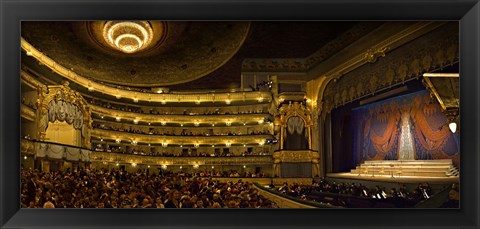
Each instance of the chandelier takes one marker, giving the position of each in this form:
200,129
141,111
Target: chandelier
128,36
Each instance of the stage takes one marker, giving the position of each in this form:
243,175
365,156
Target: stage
395,179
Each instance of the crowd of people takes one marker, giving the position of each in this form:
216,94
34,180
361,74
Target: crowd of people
154,153
136,109
400,198
184,132
91,188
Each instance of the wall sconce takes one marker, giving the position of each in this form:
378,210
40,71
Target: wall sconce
118,119
134,164
165,166
135,100
118,96
135,121
163,123
228,123
164,144
228,144
197,102
117,140
228,101
196,124
163,102
195,166
196,145
260,121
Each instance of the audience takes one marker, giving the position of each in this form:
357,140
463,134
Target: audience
344,194
91,188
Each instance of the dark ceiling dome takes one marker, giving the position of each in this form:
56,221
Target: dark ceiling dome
138,53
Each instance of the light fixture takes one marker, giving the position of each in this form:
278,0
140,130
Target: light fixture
148,144
260,121
244,145
117,164
261,143
228,144
181,146
101,117
244,123
181,167
228,101
181,124
453,127
117,140
165,166
197,102
196,145
135,100
29,53
134,142
148,166
196,124
118,119
260,99
25,157
135,121
228,123
244,166
149,124
118,96
195,166
163,123
163,102
213,145
91,89
164,144
128,36
309,100
213,167
134,164
213,124
101,139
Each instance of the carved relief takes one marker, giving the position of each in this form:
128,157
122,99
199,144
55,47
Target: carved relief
68,96
401,65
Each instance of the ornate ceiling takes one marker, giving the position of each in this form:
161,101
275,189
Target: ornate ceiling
138,53
182,55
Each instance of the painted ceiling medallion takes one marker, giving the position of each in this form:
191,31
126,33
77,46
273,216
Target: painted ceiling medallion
128,36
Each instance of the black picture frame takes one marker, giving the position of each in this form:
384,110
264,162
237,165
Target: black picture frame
13,12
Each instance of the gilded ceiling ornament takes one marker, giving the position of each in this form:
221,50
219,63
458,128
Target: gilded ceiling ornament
372,55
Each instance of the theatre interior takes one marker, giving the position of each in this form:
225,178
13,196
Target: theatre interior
240,114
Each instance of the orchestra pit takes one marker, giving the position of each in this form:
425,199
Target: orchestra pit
239,114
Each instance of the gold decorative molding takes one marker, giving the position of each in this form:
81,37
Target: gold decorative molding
296,156
62,93
31,81
135,96
27,113
294,109
158,139
129,158
400,65
27,147
177,118
372,55
186,50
